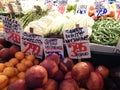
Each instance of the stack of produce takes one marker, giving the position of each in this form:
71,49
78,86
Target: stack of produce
33,15
106,32
15,69
52,74
55,23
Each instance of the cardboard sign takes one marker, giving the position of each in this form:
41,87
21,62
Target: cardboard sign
32,44
101,8
77,43
12,30
53,45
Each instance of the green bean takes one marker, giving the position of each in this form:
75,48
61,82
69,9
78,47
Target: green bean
106,32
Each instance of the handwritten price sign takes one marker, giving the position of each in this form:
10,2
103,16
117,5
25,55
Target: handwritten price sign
12,30
77,43
79,49
81,9
101,8
53,45
101,12
31,44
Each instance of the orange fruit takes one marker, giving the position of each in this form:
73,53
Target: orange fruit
30,57
28,63
13,79
14,61
3,81
2,66
9,64
16,71
21,67
19,55
1,25
9,71
21,75
5,88
23,60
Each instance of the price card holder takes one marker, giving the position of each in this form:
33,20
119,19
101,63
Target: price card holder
101,8
12,29
53,45
77,43
32,44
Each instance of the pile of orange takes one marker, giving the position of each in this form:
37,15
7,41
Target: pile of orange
1,26
15,68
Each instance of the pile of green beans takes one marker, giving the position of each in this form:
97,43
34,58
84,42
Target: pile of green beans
106,32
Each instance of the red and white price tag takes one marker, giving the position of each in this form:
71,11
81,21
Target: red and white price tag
12,29
32,44
53,45
77,43
49,3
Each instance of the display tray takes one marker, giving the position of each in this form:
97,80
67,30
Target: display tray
108,59
102,48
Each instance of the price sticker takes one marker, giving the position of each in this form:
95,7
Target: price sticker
77,43
101,8
53,45
12,30
32,44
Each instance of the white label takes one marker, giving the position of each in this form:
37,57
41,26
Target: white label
12,30
53,45
77,43
32,44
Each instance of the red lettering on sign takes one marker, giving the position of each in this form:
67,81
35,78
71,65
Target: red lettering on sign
78,47
10,37
16,37
61,9
33,48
